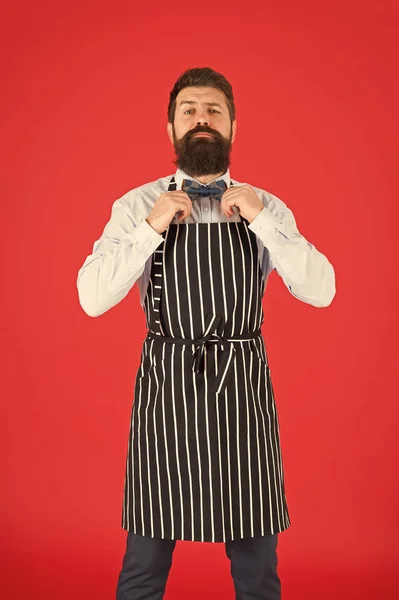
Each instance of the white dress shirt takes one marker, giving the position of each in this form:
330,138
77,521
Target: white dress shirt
122,256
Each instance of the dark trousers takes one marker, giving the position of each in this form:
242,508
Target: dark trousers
147,562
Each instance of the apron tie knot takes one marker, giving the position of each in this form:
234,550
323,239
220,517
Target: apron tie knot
226,364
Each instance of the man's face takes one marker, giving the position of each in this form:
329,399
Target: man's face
202,109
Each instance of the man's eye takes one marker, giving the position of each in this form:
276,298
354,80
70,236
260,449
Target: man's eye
191,109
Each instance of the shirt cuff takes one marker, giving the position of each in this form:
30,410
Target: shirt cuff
263,224
145,236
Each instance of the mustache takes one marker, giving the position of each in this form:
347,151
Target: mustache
212,132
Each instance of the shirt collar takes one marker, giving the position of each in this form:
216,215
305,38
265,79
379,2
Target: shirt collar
180,175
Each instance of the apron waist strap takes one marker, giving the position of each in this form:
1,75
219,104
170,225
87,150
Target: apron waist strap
211,336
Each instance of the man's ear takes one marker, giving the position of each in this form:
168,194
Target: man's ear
234,130
169,129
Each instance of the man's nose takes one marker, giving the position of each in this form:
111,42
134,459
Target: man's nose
202,120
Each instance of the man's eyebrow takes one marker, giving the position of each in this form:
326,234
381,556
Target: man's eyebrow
195,102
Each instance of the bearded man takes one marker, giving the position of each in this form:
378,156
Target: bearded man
204,460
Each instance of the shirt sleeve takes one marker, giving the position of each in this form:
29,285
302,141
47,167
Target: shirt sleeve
306,272
116,262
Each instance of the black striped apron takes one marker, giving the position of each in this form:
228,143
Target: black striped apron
204,461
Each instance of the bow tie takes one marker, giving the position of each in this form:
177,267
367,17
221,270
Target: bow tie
195,190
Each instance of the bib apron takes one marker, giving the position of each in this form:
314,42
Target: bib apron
204,460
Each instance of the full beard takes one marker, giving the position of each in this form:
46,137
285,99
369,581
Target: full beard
202,155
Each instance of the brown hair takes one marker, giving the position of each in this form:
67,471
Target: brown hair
201,77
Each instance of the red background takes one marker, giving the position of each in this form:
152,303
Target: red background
85,93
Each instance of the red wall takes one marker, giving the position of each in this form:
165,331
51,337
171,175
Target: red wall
85,92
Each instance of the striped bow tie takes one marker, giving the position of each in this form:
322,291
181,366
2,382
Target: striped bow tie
196,190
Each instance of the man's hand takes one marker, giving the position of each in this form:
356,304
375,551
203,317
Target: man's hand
246,200
165,208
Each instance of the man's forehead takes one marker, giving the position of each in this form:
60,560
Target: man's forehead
200,94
